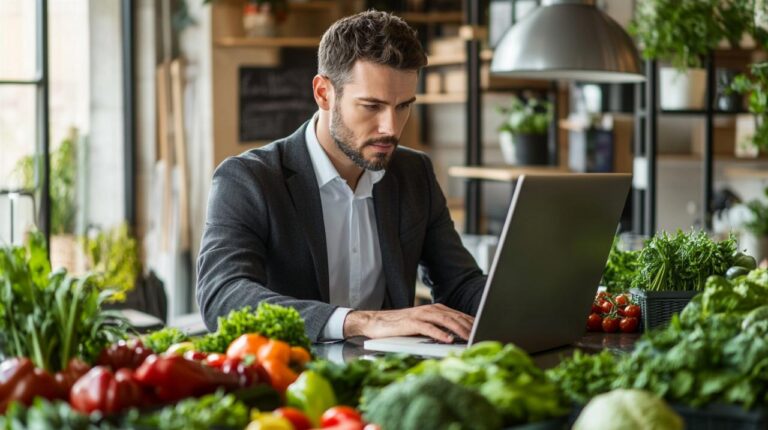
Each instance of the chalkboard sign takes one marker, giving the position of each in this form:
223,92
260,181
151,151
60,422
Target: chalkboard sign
275,101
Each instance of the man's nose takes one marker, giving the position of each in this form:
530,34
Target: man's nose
387,121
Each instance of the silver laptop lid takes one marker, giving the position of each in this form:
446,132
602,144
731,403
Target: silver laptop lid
550,258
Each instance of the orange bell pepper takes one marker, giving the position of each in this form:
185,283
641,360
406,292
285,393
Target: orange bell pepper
275,350
247,344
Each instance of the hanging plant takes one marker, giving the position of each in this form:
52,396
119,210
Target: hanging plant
756,85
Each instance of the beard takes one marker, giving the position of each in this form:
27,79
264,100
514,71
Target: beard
344,138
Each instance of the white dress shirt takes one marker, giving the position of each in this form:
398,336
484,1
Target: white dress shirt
355,275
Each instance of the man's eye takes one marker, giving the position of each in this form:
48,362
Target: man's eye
405,106
371,107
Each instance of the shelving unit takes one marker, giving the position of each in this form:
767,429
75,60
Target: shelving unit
646,138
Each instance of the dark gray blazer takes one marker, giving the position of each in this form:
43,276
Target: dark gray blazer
264,237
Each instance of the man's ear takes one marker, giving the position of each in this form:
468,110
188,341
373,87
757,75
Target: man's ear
323,91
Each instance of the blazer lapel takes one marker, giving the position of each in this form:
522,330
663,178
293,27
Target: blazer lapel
387,206
302,185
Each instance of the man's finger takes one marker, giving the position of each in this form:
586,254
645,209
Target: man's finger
427,329
447,321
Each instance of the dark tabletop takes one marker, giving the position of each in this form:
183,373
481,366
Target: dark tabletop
591,342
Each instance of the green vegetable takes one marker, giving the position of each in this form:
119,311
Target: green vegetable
51,317
583,376
743,260
213,410
159,341
683,261
507,377
349,379
312,394
756,85
272,321
431,402
735,271
45,415
628,409
620,270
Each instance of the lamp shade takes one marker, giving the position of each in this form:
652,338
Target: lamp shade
568,39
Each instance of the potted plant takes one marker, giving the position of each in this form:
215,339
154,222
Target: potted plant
64,249
684,32
756,242
523,135
756,85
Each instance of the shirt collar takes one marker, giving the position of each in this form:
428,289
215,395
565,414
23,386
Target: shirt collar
325,172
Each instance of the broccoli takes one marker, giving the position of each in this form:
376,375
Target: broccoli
431,402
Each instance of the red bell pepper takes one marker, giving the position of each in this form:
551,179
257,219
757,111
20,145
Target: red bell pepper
124,354
104,391
247,374
173,377
20,380
67,377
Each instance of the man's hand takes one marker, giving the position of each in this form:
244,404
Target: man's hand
436,321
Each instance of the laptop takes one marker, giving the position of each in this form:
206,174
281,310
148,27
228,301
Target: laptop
544,276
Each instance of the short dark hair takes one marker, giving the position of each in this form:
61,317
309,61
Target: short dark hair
374,36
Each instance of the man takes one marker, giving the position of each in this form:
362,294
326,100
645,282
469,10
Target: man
335,219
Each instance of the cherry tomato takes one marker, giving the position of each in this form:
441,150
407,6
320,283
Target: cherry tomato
602,295
596,309
339,415
594,322
195,355
247,344
606,306
215,360
632,311
610,324
295,416
622,300
628,324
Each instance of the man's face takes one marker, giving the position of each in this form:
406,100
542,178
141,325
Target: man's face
368,118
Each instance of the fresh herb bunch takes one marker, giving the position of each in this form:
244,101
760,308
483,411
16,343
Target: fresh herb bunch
716,351
757,86
159,341
272,321
217,410
114,256
583,376
51,317
683,261
620,270
758,225
527,116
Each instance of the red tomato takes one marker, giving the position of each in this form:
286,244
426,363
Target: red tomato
594,322
622,300
610,324
596,309
215,360
628,324
298,420
339,415
606,306
195,355
602,295
632,311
